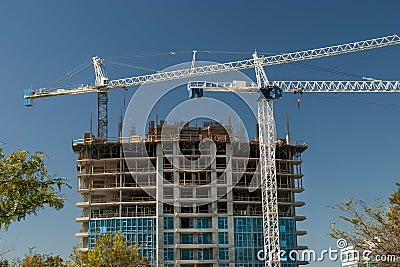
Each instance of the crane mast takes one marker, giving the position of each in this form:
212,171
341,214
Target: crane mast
101,83
267,136
269,90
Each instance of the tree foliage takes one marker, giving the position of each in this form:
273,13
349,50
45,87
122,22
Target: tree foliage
35,259
4,263
110,250
26,187
374,227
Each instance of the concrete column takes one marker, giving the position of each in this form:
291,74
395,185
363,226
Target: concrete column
229,183
159,204
177,223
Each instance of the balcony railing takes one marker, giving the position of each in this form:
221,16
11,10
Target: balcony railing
111,199
247,213
246,198
105,215
137,199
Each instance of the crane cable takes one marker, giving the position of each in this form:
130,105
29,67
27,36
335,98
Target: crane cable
130,66
148,55
73,72
356,102
328,70
219,52
112,61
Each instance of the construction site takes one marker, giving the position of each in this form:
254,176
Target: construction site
199,196
204,214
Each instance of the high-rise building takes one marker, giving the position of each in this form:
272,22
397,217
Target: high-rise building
189,195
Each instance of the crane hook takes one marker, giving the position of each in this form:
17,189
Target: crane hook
298,102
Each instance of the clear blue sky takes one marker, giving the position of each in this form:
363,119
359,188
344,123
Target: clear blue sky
353,139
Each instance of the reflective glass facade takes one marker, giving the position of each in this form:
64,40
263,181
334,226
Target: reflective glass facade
249,240
140,231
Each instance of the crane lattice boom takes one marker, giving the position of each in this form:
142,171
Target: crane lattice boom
264,61
301,86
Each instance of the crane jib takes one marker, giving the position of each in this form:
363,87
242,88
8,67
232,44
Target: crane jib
264,61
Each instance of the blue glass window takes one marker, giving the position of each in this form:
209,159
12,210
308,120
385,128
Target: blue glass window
169,254
187,254
223,254
203,238
203,254
222,222
168,238
187,239
223,237
202,223
168,223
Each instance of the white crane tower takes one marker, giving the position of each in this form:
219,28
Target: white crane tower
269,90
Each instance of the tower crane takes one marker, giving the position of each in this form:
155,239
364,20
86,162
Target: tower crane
271,90
102,84
268,92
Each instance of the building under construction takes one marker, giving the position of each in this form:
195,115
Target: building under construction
186,200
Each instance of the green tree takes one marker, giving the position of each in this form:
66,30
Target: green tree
26,187
374,227
35,259
110,250
4,263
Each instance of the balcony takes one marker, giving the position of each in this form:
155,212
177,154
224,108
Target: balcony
149,213
109,171
83,204
99,186
246,199
105,200
192,215
81,219
82,234
196,230
188,199
196,261
300,218
105,214
246,185
137,185
301,232
111,200
247,213
299,203
300,247
196,245
289,188
287,201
